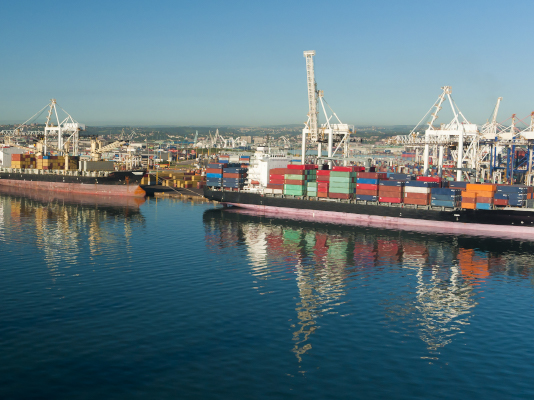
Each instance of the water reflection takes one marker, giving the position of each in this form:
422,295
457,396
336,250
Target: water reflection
63,224
434,280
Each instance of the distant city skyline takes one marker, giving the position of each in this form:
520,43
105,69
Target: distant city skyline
240,63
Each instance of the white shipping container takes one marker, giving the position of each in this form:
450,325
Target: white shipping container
414,189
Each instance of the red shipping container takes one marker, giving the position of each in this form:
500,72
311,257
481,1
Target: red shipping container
322,189
428,178
277,181
419,202
419,196
294,182
470,200
340,195
279,171
214,171
323,172
501,202
367,192
275,186
323,184
16,157
373,175
302,166
350,168
487,200
390,191
323,179
341,168
277,176
383,199
366,186
230,175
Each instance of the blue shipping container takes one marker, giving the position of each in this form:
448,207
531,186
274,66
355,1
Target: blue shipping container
501,196
401,177
444,203
422,184
445,191
391,183
444,197
458,184
366,197
367,181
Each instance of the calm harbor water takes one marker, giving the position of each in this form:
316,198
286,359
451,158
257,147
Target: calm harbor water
171,299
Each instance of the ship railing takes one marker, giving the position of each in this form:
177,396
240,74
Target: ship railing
71,172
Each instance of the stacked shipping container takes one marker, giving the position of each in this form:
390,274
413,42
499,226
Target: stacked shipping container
43,162
514,195
323,183
295,182
391,191
367,185
214,175
445,197
234,177
342,184
478,196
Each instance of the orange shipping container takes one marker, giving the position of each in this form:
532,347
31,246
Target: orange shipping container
467,194
481,187
470,206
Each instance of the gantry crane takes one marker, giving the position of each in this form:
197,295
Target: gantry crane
61,129
337,134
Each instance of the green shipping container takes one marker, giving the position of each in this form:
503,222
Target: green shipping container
343,174
294,187
340,190
295,177
342,185
341,180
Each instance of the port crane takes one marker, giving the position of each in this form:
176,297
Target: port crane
332,134
55,127
285,141
459,136
487,152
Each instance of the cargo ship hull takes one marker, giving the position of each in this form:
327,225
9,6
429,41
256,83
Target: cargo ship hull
120,183
511,221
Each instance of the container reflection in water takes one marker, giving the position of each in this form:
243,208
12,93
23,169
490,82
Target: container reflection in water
63,223
439,275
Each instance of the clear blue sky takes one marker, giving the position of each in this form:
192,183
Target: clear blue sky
241,63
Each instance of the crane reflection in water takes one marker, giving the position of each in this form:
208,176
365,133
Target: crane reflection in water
64,223
440,275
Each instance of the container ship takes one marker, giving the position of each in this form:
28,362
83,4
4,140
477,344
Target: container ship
349,193
472,179
51,173
64,172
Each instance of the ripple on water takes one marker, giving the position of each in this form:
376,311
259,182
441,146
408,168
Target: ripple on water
180,300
